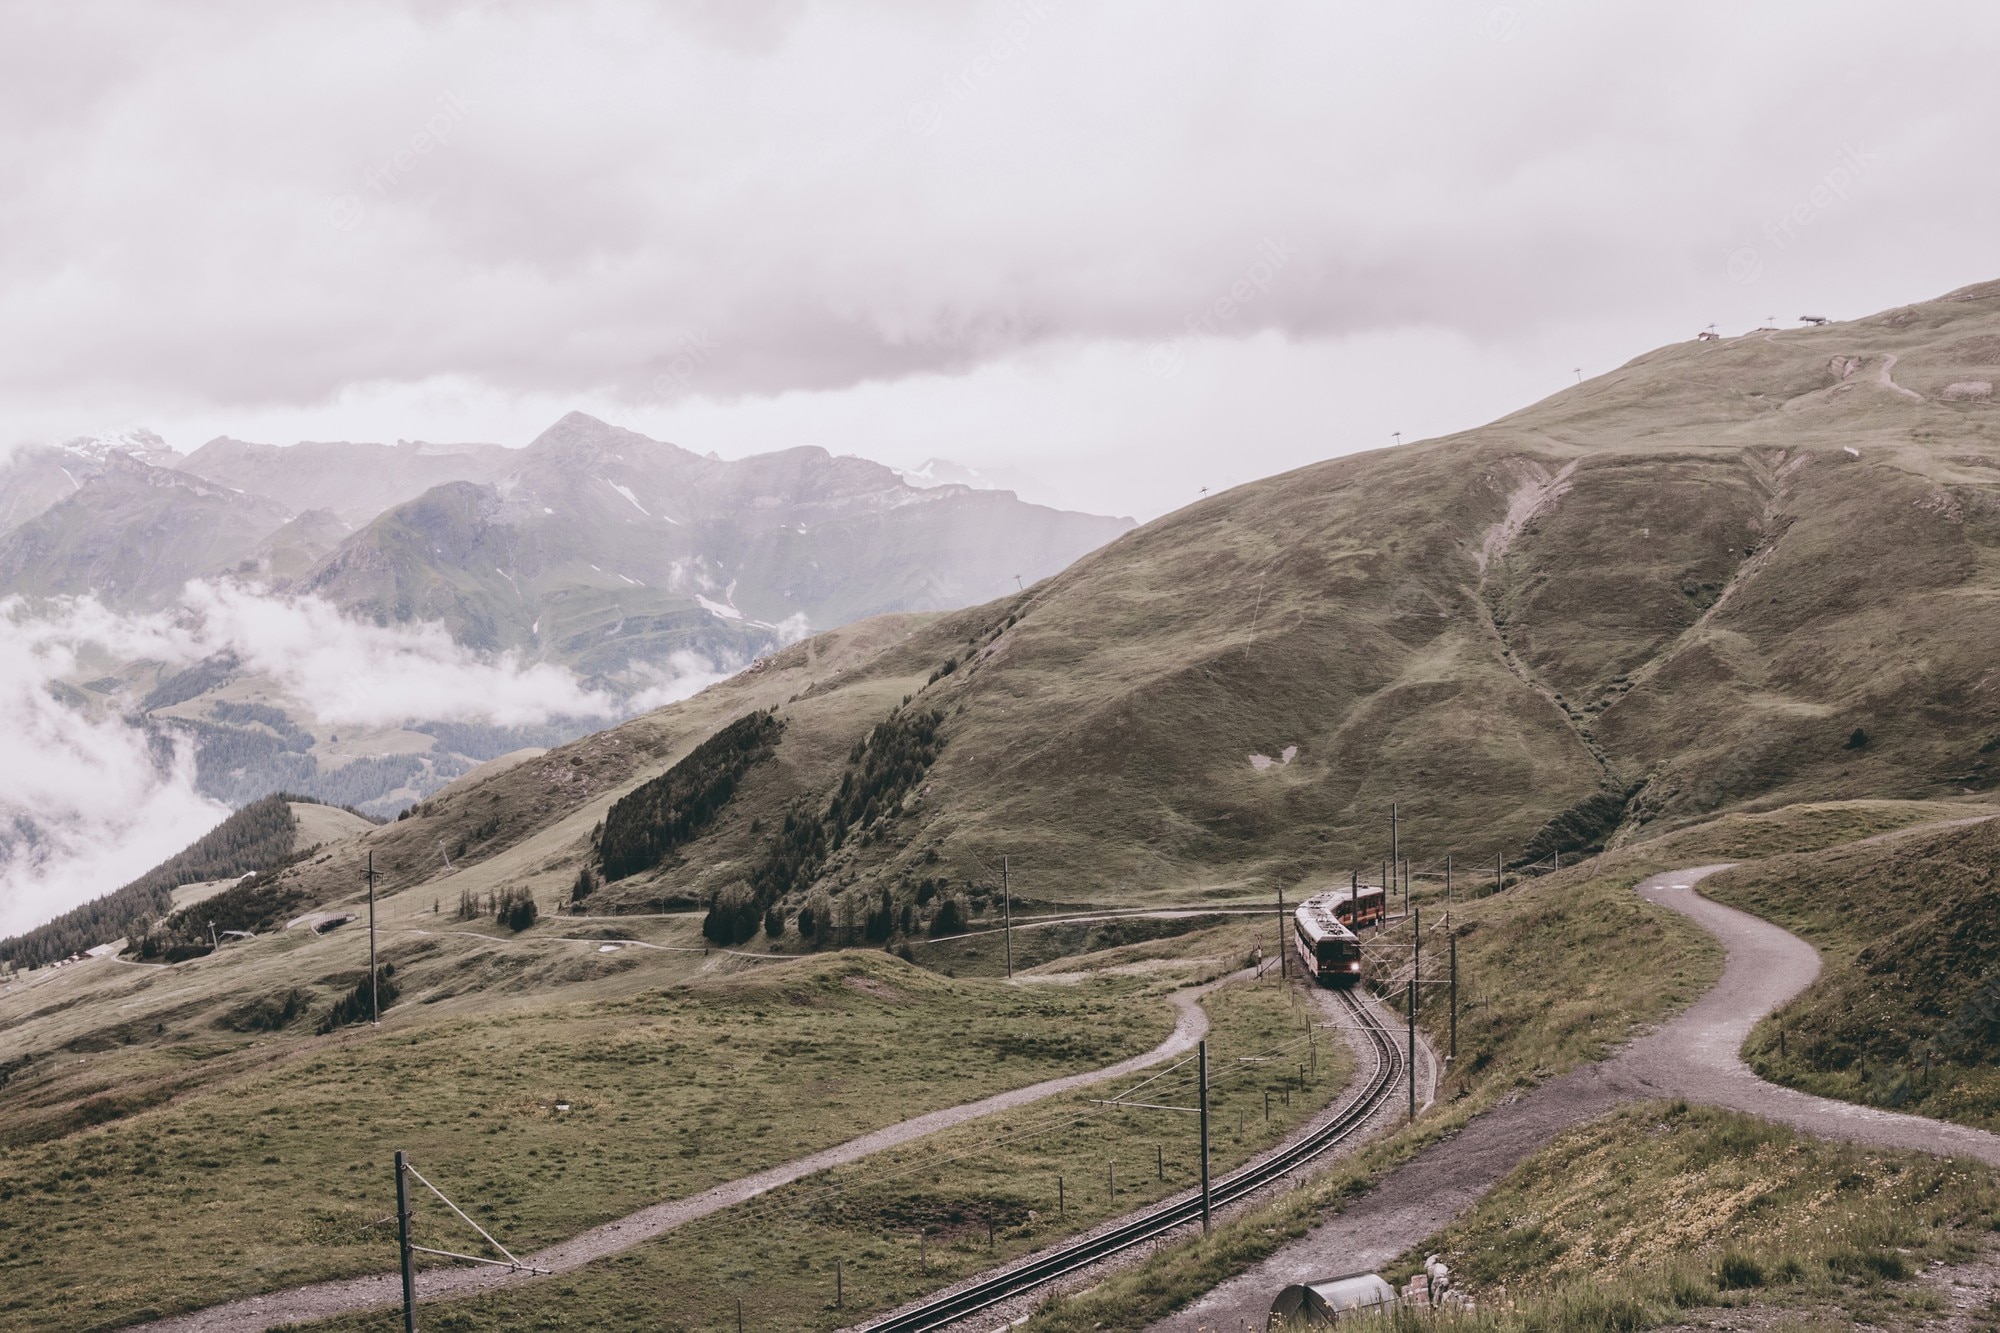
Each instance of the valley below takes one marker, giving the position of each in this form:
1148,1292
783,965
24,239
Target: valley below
874,955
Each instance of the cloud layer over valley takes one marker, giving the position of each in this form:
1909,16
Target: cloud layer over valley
92,795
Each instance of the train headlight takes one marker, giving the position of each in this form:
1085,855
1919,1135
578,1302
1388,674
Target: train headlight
1354,967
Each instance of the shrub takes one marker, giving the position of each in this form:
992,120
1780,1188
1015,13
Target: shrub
515,909
950,917
1736,1270
356,1007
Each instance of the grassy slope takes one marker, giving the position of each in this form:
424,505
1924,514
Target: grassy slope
777,1253
1624,964
1910,931
1655,1211
1715,598
670,1092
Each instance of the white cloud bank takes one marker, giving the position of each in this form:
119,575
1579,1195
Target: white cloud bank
90,801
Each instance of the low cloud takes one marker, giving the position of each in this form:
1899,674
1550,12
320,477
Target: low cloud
90,799
346,671
86,803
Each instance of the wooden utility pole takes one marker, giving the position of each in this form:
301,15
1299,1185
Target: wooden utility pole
1416,957
1452,937
1499,872
1413,1049
403,1237
1007,901
1284,968
1202,1051
837,1284
374,993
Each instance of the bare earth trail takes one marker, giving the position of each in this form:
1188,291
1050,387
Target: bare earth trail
348,1295
1693,1057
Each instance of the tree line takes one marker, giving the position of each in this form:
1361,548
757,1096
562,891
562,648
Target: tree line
647,824
259,835
881,771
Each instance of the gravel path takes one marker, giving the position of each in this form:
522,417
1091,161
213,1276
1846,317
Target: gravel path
322,1299
1388,1116
1694,1057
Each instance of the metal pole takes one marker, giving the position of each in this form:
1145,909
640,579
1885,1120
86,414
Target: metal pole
1447,885
1007,898
1112,1169
1062,1206
1203,1051
1284,969
1413,1049
1453,937
1160,1160
739,1314
374,993
837,1284
403,1237
1395,844
1416,956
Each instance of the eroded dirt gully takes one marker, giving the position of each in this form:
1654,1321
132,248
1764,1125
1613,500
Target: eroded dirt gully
1693,1057
251,1314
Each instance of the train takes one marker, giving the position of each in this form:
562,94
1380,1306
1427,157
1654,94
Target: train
1328,950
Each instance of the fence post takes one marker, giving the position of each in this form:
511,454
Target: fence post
403,1238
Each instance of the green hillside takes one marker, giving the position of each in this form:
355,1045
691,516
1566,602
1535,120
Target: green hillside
1727,576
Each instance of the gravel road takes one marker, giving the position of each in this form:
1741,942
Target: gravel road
323,1299
1693,1057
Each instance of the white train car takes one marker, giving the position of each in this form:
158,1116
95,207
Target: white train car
1328,950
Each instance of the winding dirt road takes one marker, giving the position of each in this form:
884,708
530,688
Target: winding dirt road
1693,1057
345,1296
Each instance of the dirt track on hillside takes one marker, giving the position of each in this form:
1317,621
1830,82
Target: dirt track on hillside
1693,1057
322,1299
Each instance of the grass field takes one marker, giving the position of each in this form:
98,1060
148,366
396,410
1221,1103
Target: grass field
1642,1219
777,1252
1659,1211
1906,1013
278,1176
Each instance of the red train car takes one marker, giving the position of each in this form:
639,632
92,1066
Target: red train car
1327,949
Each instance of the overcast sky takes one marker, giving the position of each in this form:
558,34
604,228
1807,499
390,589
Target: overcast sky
1128,249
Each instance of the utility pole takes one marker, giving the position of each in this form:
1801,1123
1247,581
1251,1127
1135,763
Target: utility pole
1452,937
374,993
1499,872
1284,969
1413,1049
1416,957
1007,899
1447,887
1202,1051
403,1237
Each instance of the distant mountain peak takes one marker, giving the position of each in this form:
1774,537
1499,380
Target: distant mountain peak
137,442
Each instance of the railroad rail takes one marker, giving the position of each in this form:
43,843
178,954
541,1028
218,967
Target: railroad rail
1037,1270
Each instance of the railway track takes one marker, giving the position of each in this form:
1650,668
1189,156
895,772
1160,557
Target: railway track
952,1306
